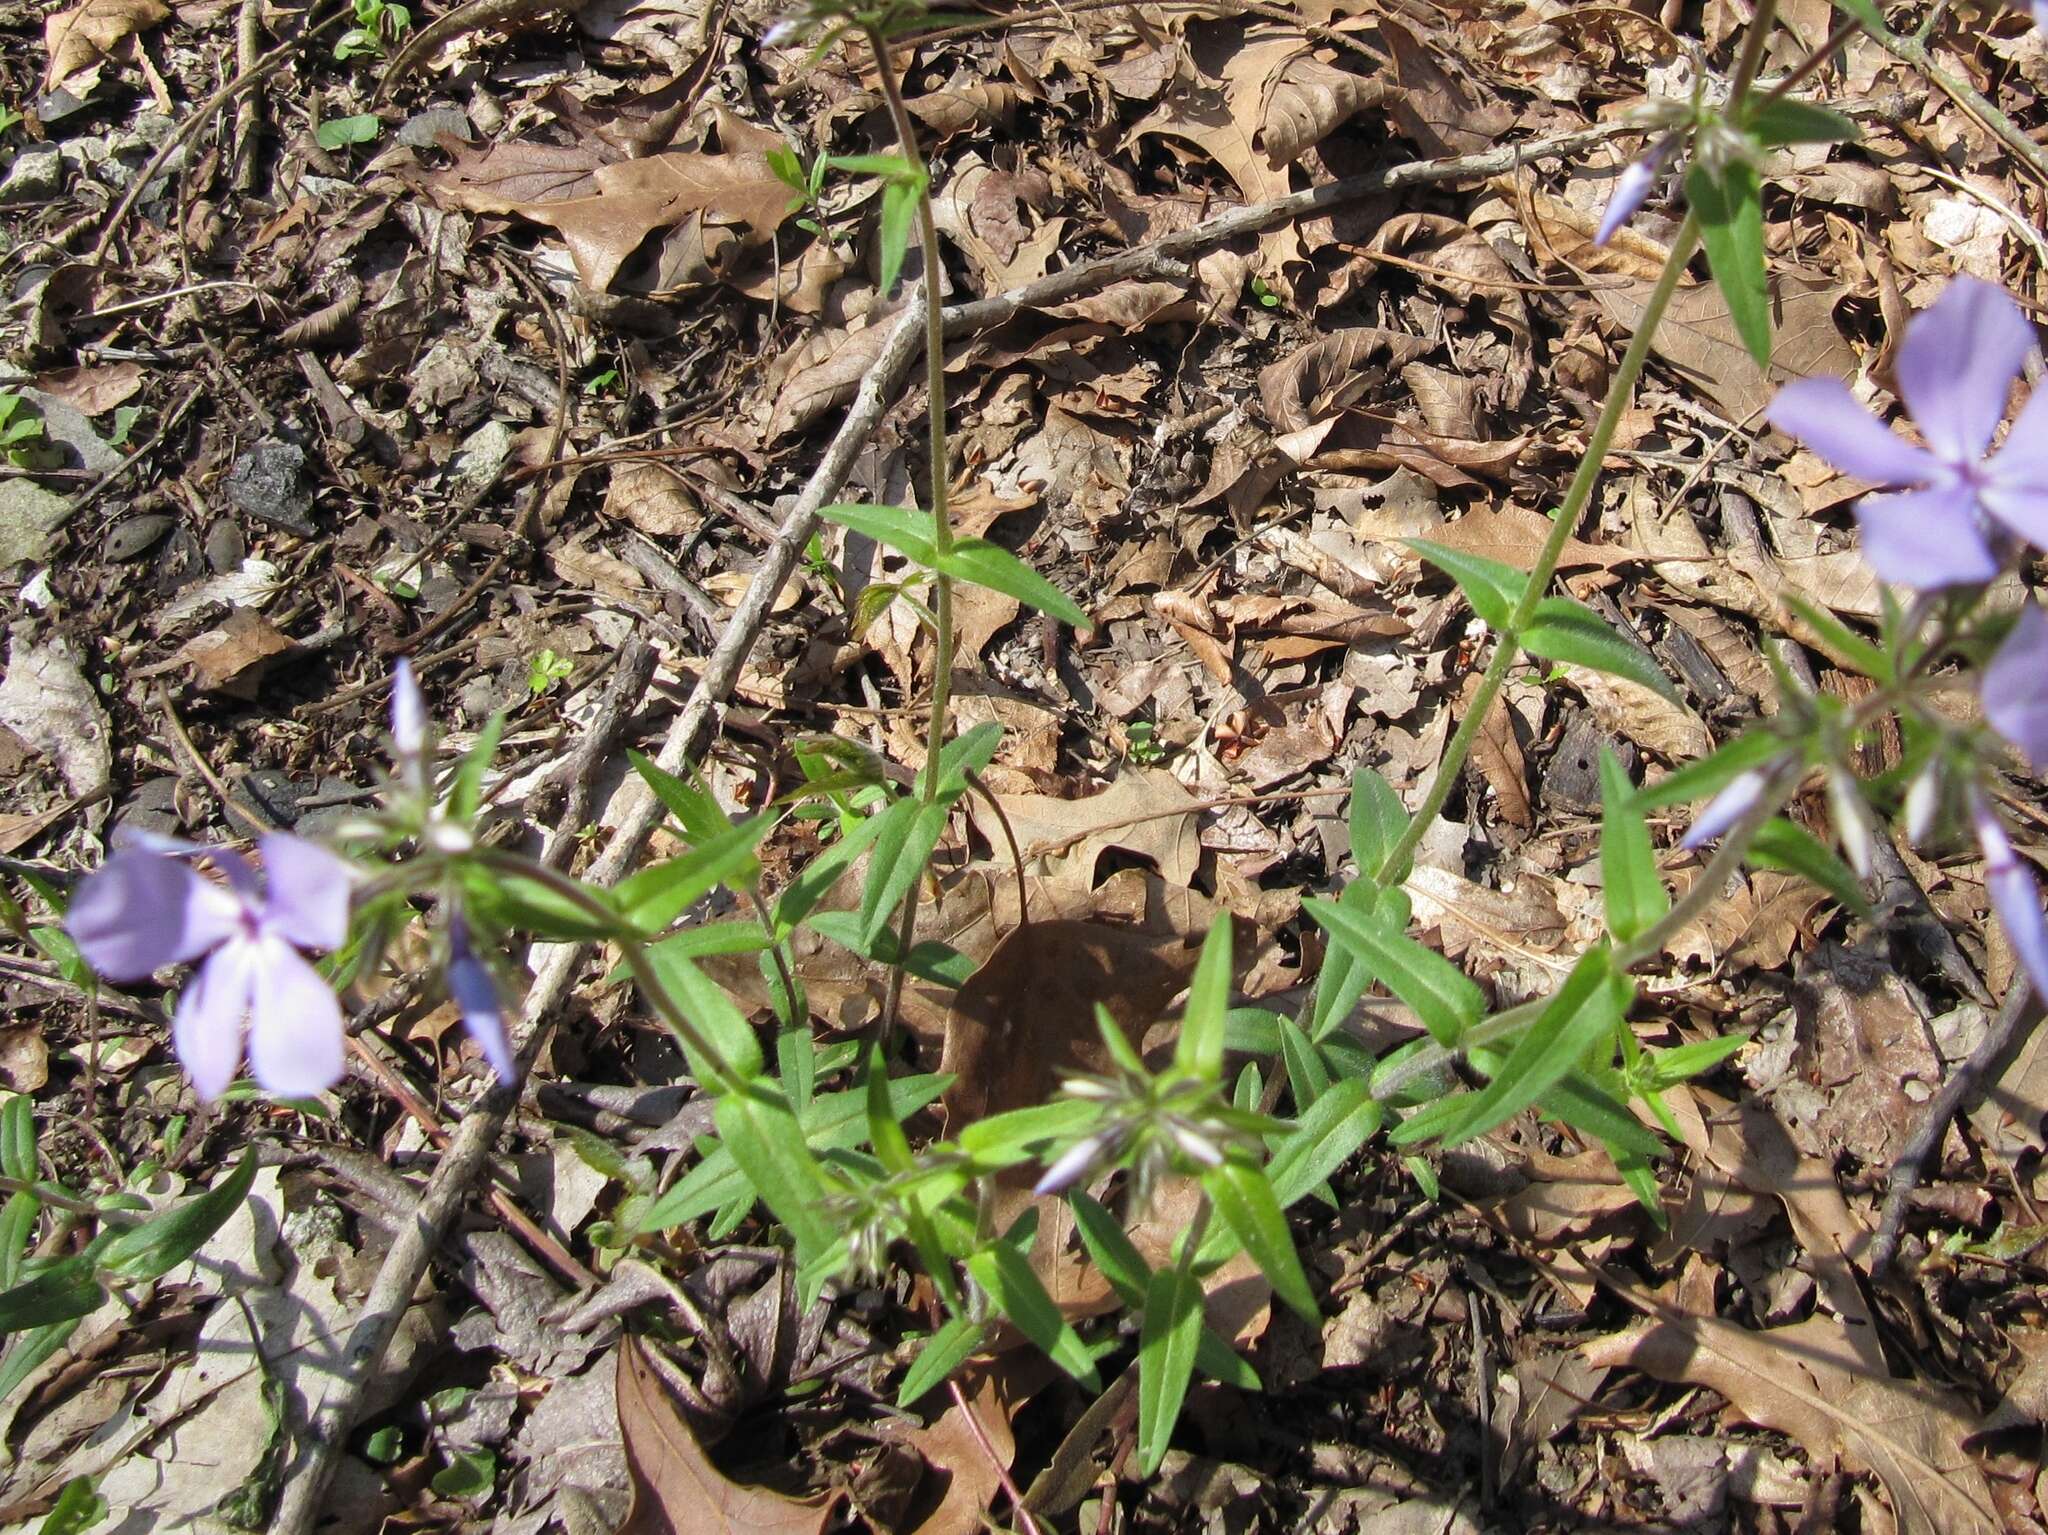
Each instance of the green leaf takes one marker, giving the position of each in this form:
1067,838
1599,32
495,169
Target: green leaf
736,935
1711,774
1586,1009
1683,1062
712,1013
901,853
1323,1140
1731,215
18,1138
1111,1249
1442,995
1253,1215
164,1241
466,794
1199,1051
468,1476
943,1353
504,899
1866,12
969,751
29,1351
1492,588
982,563
907,530
885,1130
1253,1030
899,210
17,1231
63,1292
78,1508
1003,1140
811,884
693,805
1847,644
1006,1278
655,896
1784,845
1378,822
1168,1337
338,133
1308,1076
1568,631
1345,975
1593,1111
1219,1361
1630,885
767,1141
1779,120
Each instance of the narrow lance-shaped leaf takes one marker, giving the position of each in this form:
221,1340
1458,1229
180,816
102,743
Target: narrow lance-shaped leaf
1785,845
943,1353
762,1132
1442,995
1378,821
1564,630
1006,1278
1634,893
1492,588
1168,1337
982,563
1245,1201
907,530
1199,1051
1731,214
164,1241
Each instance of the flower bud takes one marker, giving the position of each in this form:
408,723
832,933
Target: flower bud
1852,822
1923,803
1726,808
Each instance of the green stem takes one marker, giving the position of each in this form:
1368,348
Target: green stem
1566,524
942,525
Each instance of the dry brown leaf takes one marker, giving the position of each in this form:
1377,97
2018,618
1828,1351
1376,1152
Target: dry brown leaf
1649,719
1309,101
235,657
1444,114
676,1488
605,210
1322,378
825,372
1498,755
654,499
1146,811
1698,338
951,1447
79,38
94,390
974,106
1790,1379
1513,534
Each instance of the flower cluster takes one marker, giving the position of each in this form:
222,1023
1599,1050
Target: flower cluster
148,907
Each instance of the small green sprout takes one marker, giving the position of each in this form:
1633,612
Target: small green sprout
547,669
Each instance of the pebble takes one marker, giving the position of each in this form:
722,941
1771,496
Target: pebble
154,808
35,174
226,548
269,483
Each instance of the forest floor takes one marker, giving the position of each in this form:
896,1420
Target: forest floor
512,359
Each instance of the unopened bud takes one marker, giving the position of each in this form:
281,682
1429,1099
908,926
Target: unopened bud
1923,803
1726,808
1852,822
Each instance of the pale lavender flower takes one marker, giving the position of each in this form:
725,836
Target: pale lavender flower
2014,895
1956,368
1074,1165
408,727
1852,822
1725,809
144,910
473,991
1633,187
2015,687
1923,799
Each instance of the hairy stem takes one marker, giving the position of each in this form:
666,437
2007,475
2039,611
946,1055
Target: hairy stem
1619,395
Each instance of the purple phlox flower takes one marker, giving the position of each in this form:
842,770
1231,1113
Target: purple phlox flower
2014,894
1726,808
1074,1165
2016,687
2040,10
1955,370
1633,186
408,727
146,909
476,994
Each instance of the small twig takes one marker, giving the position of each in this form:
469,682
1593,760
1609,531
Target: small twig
633,671
1914,51
228,802
249,112
141,451
2021,1013
996,1462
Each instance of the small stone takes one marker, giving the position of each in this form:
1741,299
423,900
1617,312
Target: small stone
133,536
29,514
426,130
36,174
270,793
154,808
225,547
269,483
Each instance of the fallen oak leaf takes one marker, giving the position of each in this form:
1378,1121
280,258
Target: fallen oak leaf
676,1488
81,37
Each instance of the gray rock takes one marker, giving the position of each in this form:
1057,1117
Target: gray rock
226,548
154,808
269,483
135,536
29,515
35,174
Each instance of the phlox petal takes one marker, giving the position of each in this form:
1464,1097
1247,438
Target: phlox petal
1957,365
295,1033
1072,1167
141,911
1725,809
308,891
1822,413
1926,539
2014,896
206,1031
1631,188
408,711
469,983
2015,687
